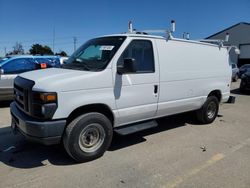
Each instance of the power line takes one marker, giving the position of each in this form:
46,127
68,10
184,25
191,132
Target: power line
46,39
65,41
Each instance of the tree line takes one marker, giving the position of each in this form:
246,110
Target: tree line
34,50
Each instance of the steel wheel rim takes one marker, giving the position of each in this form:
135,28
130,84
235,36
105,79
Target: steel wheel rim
211,110
91,138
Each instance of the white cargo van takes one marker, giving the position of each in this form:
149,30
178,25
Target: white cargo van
119,83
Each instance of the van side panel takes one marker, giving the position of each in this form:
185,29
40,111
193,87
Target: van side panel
188,73
70,100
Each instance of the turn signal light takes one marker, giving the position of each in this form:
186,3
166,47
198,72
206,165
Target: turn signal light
48,97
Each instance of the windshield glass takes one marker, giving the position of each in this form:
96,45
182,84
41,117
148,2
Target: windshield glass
95,54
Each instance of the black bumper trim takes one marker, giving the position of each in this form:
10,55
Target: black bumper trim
44,141
44,132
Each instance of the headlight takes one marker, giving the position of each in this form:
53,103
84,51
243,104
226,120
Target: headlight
45,97
44,104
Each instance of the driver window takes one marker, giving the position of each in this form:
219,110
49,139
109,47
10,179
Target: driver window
142,52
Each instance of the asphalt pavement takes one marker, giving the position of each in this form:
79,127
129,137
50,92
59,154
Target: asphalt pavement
178,153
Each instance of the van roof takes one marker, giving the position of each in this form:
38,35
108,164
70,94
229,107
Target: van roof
160,37
135,35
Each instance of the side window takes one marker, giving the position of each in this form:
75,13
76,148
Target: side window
142,52
17,66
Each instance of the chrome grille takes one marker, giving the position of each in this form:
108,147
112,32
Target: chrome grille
22,92
20,97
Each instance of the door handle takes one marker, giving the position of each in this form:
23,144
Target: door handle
155,89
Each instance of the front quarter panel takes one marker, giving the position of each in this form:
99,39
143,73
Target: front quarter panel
70,100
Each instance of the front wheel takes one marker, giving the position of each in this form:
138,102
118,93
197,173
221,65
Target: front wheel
88,136
208,111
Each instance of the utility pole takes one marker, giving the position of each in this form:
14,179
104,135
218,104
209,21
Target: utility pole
5,51
54,39
74,39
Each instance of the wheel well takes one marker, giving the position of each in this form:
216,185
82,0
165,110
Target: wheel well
216,93
101,108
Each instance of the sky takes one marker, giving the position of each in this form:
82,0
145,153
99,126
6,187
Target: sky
35,21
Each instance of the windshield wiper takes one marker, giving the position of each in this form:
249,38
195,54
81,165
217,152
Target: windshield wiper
78,66
81,64
65,66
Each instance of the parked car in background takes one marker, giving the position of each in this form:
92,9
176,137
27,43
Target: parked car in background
245,81
235,72
50,61
11,66
63,59
243,69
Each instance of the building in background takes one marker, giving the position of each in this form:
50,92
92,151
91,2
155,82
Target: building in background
240,37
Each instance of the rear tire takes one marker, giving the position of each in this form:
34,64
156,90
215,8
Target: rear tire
209,111
88,136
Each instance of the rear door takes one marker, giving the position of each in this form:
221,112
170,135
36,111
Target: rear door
136,93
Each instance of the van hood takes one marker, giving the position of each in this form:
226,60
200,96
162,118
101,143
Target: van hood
61,80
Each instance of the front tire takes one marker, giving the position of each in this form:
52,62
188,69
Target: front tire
208,111
88,136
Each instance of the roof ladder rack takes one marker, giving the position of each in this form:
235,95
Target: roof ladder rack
168,32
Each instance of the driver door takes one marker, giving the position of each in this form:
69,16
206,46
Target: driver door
136,93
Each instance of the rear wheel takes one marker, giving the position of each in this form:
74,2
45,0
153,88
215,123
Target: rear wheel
209,111
88,136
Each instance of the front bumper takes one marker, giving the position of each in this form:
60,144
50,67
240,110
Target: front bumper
44,132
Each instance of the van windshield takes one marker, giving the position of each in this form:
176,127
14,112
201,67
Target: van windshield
95,54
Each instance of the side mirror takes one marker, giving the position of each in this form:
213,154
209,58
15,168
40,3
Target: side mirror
127,67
